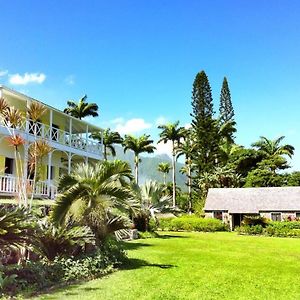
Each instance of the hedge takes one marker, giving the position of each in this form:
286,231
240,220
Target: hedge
192,223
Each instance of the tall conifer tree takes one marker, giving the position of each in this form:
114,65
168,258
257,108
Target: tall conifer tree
226,108
204,126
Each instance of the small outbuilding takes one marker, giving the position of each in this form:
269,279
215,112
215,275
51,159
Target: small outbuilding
231,204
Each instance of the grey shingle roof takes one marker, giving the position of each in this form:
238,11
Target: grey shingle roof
253,200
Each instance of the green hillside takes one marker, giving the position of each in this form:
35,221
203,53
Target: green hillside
148,167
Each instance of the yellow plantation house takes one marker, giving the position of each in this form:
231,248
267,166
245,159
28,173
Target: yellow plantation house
68,137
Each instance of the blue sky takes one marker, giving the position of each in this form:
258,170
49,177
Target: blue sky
138,59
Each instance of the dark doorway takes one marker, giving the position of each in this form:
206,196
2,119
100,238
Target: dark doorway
237,219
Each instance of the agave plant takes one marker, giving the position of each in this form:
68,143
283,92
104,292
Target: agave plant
97,196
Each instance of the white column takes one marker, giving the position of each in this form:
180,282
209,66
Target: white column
70,131
49,172
69,162
51,123
87,137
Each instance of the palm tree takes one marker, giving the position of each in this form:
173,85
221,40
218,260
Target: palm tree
81,109
138,145
171,132
108,139
187,149
272,148
164,167
96,196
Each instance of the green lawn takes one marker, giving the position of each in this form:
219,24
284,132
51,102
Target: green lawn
200,266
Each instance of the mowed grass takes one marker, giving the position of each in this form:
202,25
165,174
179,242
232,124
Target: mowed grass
200,266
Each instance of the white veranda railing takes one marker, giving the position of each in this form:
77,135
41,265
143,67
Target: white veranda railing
10,185
78,141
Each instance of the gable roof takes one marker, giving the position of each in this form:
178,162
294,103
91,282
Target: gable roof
253,200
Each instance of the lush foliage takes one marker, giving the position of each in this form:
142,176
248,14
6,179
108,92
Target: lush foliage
15,228
192,223
152,200
278,229
38,275
97,196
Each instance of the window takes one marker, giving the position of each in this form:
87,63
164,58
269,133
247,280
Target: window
9,165
276,216
218,215
297,215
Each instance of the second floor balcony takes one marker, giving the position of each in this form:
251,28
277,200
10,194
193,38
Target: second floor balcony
77,140
62,131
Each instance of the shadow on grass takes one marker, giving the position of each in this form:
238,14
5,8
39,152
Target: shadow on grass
134,263
172,236
133,246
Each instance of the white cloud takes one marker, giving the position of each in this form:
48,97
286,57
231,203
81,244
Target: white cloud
70,80
161,121
3,73
188,126
130,126
27,78
164,148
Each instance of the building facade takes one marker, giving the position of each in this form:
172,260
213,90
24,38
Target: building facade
231,204
68,137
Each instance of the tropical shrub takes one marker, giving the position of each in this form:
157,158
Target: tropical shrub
151,200
53,241
15,228
192,223
96,196
283,229
38,275
279,229
250,229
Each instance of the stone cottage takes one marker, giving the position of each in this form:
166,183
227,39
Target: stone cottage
231,204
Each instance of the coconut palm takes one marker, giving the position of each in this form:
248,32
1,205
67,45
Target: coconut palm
164,167
172,132
96,196
109,139
272,148
138,145
81,109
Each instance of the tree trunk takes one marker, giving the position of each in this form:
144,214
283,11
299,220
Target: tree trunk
136,167
190,188
165,175
174,176
104,153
